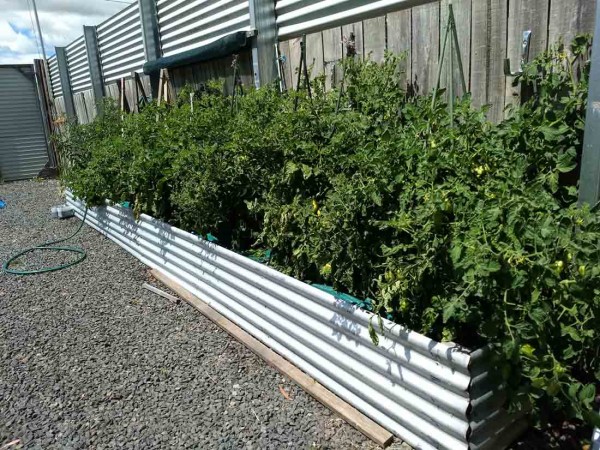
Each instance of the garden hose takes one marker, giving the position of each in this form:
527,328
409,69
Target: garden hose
49,246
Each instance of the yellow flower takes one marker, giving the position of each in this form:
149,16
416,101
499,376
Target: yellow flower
326,269
558,369
318,212
404,306
479,170
315,205
433,144
527,350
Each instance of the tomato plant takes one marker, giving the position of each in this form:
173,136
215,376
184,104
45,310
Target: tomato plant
466,231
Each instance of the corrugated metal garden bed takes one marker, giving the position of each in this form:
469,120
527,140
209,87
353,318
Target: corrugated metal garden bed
431,394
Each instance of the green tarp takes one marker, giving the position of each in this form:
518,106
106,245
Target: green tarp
227,45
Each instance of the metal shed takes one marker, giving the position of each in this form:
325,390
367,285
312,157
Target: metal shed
23,139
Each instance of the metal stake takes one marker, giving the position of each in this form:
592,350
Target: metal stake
302,70
589,182
454,51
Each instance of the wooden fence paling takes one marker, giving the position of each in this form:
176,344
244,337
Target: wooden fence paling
357,30
425,46
374,38
488,50
570,17
332,54
314,54
525,15
399,32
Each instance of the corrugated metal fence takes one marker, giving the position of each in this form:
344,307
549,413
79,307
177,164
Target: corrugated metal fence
79,70
191,24
23,145
121,45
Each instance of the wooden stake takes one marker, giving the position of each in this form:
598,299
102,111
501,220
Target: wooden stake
139,88
123,96
350,414
161,82
164,87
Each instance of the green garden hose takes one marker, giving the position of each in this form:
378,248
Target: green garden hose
49,246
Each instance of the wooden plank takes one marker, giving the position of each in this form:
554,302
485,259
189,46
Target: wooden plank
399,33
488,50
374,38
199,75
332,54
145,80
284,50
294,60
425,46
525,15
357,30
59,105
188,76
130,93
90,105
314,54
112,91
350,414
246,70
462,17
160,293
80,108
568,18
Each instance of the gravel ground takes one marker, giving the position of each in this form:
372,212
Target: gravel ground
89,359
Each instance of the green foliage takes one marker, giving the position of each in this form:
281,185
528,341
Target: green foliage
466,231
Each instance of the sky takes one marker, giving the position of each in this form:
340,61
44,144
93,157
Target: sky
62,22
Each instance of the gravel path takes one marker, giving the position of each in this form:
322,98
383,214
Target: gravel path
89,359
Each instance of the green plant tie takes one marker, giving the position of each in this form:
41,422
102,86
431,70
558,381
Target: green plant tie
49,246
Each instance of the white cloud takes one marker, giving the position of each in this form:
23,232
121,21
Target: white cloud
62,22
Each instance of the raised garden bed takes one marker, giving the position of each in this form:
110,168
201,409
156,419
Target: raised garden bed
433,395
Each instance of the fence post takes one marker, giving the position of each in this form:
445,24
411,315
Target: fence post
151,36
589,180
91,46
65,83
262,19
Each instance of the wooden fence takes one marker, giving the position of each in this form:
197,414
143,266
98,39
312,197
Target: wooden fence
488,32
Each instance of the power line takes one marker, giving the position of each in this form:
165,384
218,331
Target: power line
39,29
33,30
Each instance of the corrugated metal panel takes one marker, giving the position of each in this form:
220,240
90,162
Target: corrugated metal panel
79,70
415,387
296,17
121,44
54,77
188,24
23,151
